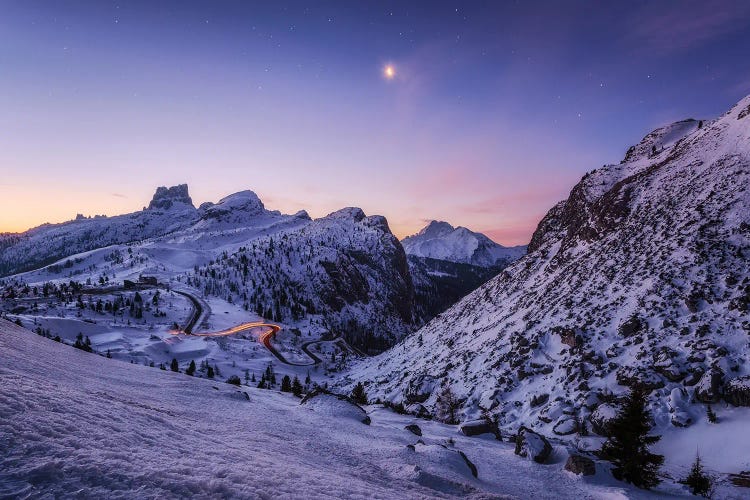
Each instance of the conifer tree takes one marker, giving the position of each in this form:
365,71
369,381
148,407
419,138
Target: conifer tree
627,446
286,384
296,387
358,394
174,366
191,368
210,372
698,481
446,406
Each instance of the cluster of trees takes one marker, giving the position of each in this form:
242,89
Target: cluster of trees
135,306
257,277
291,385
83,344
64,292
204,367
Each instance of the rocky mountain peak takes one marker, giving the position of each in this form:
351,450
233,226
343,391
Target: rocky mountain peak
440,240
166,197
355,213
435,229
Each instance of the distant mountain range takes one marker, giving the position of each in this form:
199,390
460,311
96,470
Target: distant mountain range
447,263
441,241
346,269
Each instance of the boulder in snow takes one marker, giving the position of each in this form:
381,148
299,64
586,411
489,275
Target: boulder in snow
565,425
533,446
477,427
335,406
414,429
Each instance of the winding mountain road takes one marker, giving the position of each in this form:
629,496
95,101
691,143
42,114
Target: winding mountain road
265,337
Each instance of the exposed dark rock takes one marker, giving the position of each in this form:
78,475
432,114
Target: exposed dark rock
538,400
578,464
639,379
737,391
709,387
414,429
165,197
631,326
477,427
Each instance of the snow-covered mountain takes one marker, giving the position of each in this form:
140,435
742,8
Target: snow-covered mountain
439,240
447,263
346,268
170,210
640,278
345,274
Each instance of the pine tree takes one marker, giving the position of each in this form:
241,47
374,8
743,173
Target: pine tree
174,366
698,481
210,372
286,384
358,394
446,406
307,378
191,368
296,387
711,415
627,446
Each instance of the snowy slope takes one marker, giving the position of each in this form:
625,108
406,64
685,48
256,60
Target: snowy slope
74,424
439,240
641,277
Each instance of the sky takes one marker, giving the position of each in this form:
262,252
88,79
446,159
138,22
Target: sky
488,114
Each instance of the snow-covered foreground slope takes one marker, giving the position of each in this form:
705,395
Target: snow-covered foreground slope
640,278
78,424
439,240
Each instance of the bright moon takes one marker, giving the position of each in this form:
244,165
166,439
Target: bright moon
389,72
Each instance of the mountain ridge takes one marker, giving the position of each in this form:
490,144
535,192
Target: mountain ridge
640,278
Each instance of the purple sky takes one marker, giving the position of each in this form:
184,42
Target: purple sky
495,111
